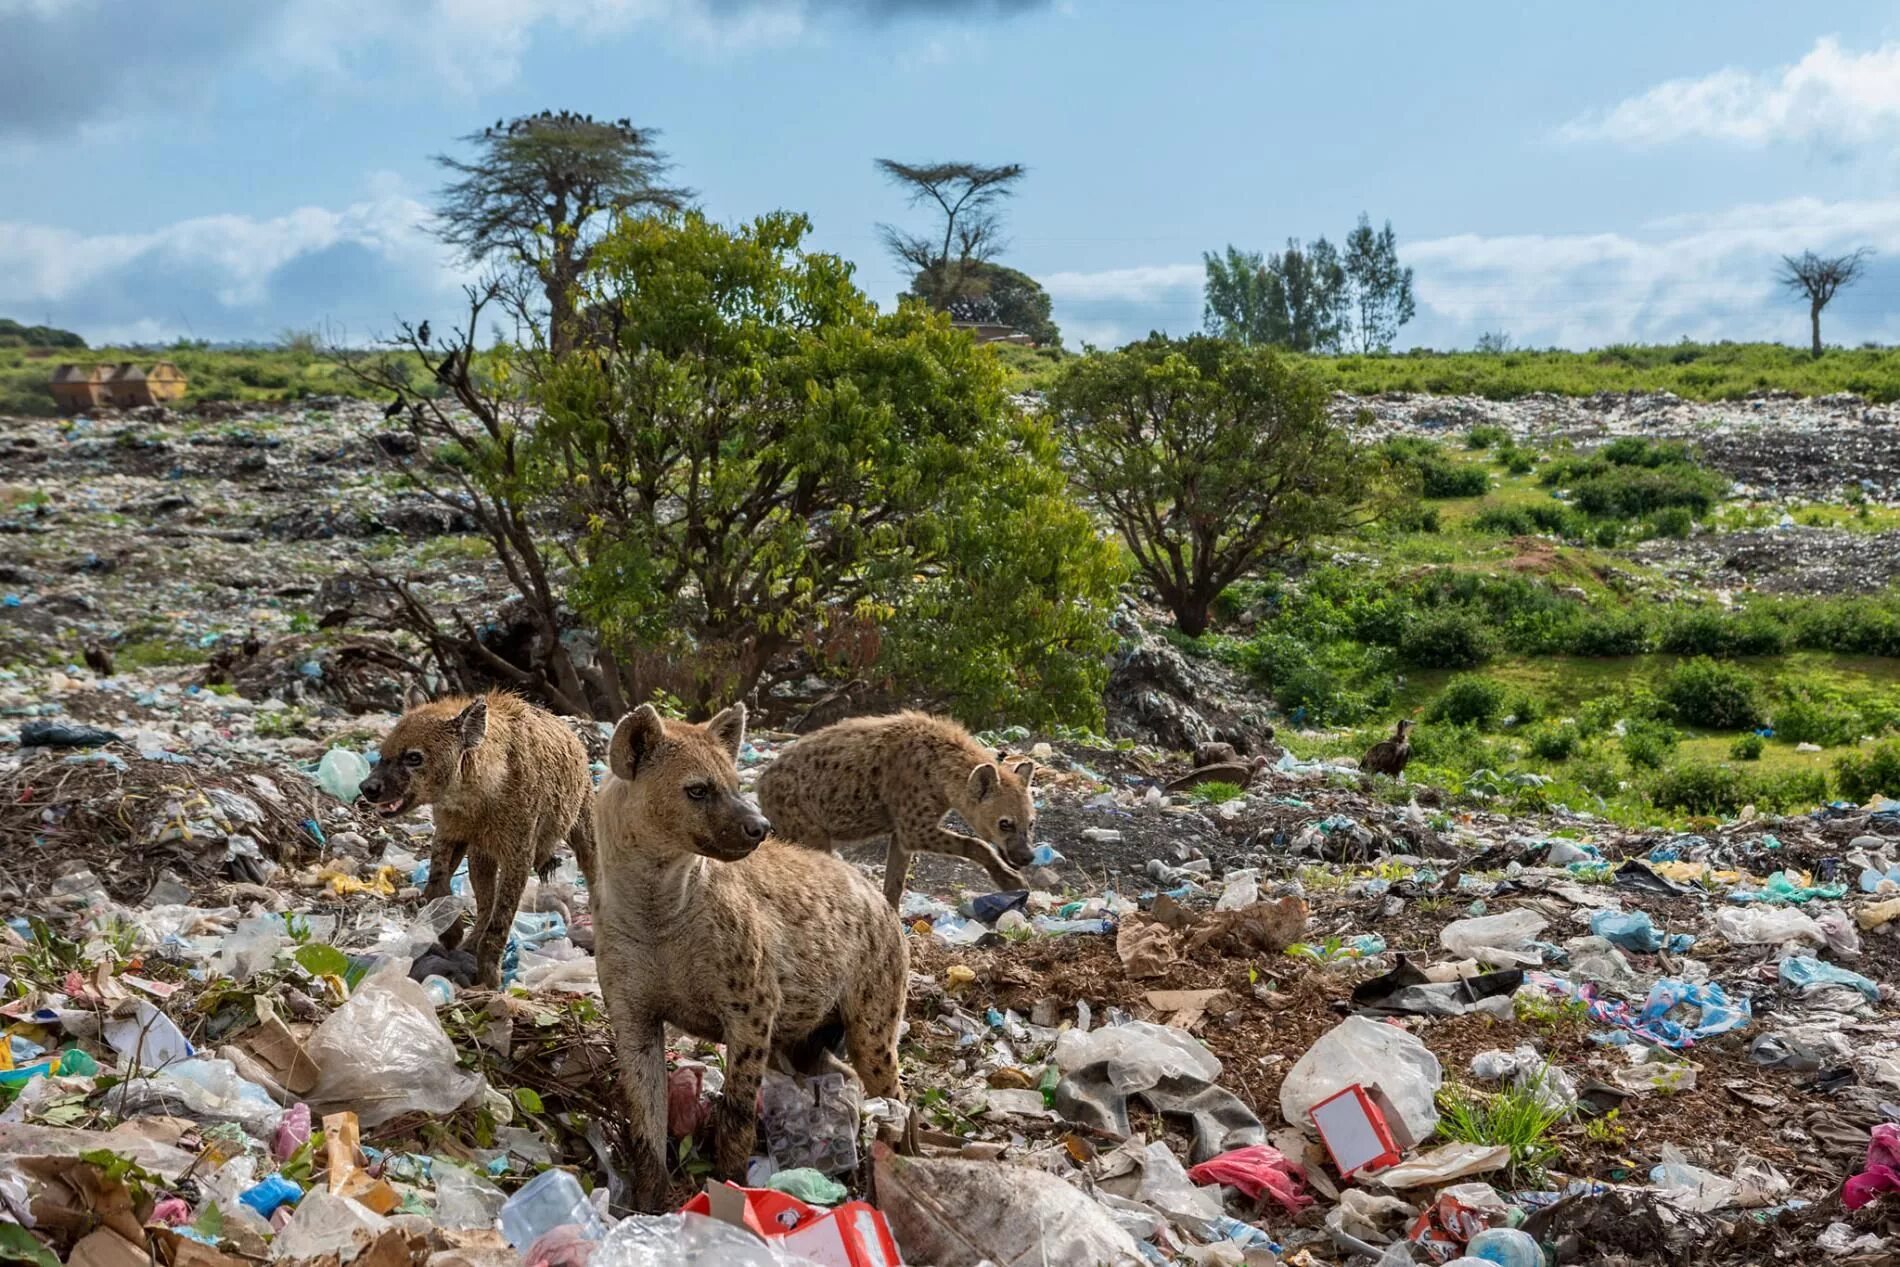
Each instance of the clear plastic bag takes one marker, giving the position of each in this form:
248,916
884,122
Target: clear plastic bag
1139,1054
954,1213
1767,926
1369,1053
1496,939
687,1240
384,1054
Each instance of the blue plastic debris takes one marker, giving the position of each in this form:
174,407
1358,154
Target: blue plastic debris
1807,974
267,1196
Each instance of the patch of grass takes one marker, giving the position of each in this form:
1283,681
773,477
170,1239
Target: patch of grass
1514,1118
157,653
1216,793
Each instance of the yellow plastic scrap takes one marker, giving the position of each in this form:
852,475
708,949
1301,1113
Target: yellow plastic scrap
381,883
958,976
1694,873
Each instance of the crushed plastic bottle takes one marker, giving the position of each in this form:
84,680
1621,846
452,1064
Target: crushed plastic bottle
810,1122
341,774
1506,1247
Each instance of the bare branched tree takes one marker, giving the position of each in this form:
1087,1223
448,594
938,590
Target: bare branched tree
1818,277
967,194
538,191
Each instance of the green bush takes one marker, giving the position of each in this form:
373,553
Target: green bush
1712,695
1522,521
1787,791
1556,743
1872,771
1457,749
1518,460
1471,700
1607,633
1711,632
1804,719
1632,478
1286,666
1438,475
1411,516
1674,522
1486,436
1700,787
1747,748
1448,638
1647,744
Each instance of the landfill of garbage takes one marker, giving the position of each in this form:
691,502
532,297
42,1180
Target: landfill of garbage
1299,1025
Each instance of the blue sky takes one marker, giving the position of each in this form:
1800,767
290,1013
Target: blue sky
1573,175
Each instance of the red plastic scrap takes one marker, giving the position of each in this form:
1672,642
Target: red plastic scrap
1254,1170
1881,1174
852,1235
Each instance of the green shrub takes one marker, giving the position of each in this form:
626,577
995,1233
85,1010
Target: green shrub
1804,719
1300,685
1456,749
1486,436
1438,475
1556,743
1709,631
1788,790
1632,478
1517,459
1712,695
1522,521
1674,522
1607,633
1448,638
1647,743
1411,516
1471,700
1870,772
1747,748
1700,787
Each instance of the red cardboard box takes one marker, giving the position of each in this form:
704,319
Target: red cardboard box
853,1235
1354,1131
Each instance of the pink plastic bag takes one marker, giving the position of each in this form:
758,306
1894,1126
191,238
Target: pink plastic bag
1254,1170
1882,1172
293,1132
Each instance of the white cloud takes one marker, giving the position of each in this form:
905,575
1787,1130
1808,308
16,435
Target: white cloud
234,276
1705,276
1832,96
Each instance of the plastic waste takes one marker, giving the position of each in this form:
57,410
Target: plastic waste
274,1191
551,1199
1256,1171
1443,1164
292,1133
1139,1054
1842,937
1242,888
1880,1173
464,1199
1166,1187
53,734
1368,1052
1807,974
1596,960
1551,1086
1634,931
1767,926
1496,939
326,1224
810,1122
383,1054
957,1213
207,1090
147,1039
1505,1247
808,1185
1785,887
1878,914
341,774
440,989
686,1240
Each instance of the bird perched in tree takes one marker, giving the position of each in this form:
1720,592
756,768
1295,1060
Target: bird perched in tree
251,644
1389,756
422,331
393,408
98,658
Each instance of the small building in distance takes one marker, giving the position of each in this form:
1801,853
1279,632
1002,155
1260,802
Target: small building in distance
993,332
77,388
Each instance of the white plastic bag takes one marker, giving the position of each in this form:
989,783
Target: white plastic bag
1763,925
1139,1054
384,1054
204,1090
1496,939
1367,1052
954,1213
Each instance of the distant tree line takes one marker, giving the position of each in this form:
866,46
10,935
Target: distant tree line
1312,298
15,335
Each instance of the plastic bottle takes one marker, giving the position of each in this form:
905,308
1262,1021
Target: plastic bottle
551,1199
1506,1247
441,990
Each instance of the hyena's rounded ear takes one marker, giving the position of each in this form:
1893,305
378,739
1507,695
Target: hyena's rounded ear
472,722
983,781
635,737
728,729
1024,770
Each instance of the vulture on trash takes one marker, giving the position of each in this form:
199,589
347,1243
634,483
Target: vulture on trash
1389,756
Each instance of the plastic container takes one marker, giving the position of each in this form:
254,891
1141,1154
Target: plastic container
1507,1247
341,774
440,989
551,1199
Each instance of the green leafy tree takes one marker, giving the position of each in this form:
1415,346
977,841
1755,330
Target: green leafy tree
968,197
996,293
1296,299
1381,289
760,462
538,190
1211,459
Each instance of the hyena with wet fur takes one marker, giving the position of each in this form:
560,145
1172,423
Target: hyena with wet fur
898,776
508,783
704,922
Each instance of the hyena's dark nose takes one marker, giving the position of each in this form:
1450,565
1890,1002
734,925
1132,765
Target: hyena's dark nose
755,827
372,786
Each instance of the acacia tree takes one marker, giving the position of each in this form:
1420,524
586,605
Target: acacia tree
1211,459
997,293
967,196
539,190
1817,278
1381,288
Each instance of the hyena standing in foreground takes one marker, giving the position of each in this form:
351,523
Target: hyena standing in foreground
703,922
508,782
898,776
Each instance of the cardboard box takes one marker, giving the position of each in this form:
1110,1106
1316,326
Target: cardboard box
853,1235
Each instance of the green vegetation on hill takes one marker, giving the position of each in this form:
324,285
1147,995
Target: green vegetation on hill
15,335
1699,371
292,371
